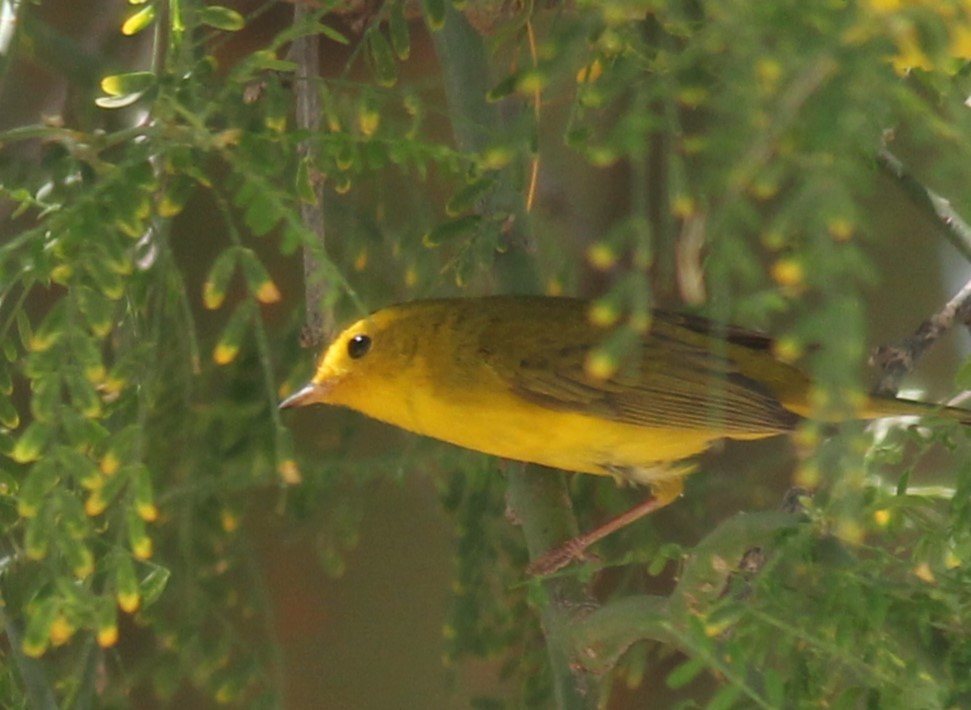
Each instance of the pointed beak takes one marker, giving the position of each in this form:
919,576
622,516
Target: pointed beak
309,394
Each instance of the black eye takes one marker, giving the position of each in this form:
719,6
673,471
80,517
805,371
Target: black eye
358,346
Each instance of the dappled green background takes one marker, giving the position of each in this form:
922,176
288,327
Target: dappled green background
152,303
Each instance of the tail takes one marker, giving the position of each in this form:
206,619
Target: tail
879,407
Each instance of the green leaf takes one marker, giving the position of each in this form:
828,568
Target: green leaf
81,432
122,449
268,61
222,18
113,102
45,404
725,697
434,14
109,282
153,584
217,282
38,535
24,330
330,33
32,443
106,621
178,188
128,83
51,329
81,468
98,311
684,673
258,280
451,230
466,198
126,584
39,622
84,397
77,555
142,494
382,60
138,539
504,88
87,354
101,497
138,21
262,214
9,417
41,479
399,31
227,348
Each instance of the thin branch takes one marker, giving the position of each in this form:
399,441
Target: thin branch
900,359
951,224
305,52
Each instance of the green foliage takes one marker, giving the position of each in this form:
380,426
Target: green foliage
141,284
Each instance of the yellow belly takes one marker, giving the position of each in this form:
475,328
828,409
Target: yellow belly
558,439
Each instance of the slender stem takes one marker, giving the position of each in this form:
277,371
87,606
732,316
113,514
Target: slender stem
952,225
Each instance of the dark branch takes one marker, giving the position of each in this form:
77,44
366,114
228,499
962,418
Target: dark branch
899,360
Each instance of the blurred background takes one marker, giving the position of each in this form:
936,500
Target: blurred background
350,588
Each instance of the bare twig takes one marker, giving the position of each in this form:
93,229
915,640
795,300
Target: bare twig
898,360
954,228
305,52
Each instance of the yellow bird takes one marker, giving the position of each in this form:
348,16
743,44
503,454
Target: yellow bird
510,376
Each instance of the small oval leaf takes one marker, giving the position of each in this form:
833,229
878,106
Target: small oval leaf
222,18
382,60
128,83
434,14
450,230
138,21
399,30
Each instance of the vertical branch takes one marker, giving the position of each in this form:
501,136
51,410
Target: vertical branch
538,498
305,53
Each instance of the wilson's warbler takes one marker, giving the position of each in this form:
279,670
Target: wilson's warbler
510,376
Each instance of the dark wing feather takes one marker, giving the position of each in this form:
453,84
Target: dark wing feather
751,339
670,381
